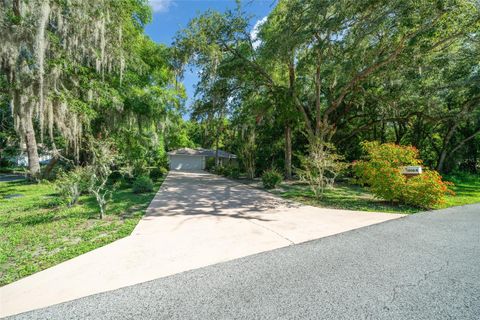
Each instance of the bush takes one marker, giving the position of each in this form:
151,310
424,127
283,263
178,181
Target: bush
229,171
271,178
158,172
426,190
220,170
70,185
382,172
234,173
142,184
210,164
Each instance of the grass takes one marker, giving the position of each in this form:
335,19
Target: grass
341,196
36,232
15,170
466,188
353,197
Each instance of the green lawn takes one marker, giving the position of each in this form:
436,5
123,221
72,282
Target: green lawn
353,197
342,196
466,188
37,233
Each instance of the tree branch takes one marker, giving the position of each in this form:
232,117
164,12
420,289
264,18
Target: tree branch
463,142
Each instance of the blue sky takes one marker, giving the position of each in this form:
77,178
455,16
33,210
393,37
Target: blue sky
169,16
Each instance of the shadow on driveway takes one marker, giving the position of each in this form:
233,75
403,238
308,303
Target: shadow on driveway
200,194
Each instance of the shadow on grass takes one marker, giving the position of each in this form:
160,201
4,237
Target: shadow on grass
11,187
124,204
37,234
50,214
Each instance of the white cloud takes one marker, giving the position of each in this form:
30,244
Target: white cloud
254,34
160,5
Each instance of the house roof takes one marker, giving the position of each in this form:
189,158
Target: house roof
201,152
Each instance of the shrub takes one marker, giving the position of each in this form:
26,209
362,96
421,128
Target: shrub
227,170
231,171
220,170
271,178
234,173
426,190
158,172
70,185
210,164
382,172
163,171
142,184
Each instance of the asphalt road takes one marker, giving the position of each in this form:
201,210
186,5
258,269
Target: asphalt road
425,266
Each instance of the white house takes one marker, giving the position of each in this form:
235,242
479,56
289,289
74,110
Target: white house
187,159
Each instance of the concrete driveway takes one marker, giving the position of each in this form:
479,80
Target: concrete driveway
195,220
425,266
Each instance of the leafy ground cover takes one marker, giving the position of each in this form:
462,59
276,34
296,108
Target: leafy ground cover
36,232
353,197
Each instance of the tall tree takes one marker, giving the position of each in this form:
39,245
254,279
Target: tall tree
49,48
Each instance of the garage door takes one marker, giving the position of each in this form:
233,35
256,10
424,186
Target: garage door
186,163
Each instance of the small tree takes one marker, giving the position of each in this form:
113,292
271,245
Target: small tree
321,167
103,157
70,185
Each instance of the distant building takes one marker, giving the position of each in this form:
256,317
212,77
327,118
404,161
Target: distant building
187,159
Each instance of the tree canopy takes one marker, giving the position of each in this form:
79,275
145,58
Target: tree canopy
72,69
344,71
312,75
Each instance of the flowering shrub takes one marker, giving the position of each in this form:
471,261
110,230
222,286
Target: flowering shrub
426,189
381,171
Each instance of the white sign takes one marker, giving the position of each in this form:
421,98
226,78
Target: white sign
412,170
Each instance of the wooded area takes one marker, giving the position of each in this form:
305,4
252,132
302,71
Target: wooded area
335,73
314,77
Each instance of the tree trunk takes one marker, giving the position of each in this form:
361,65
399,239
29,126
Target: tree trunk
16,7
216,152
445,155
446,141
296,102
25,112
441,160
461,143
318,90
288,151
48,169
464,112
32,151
